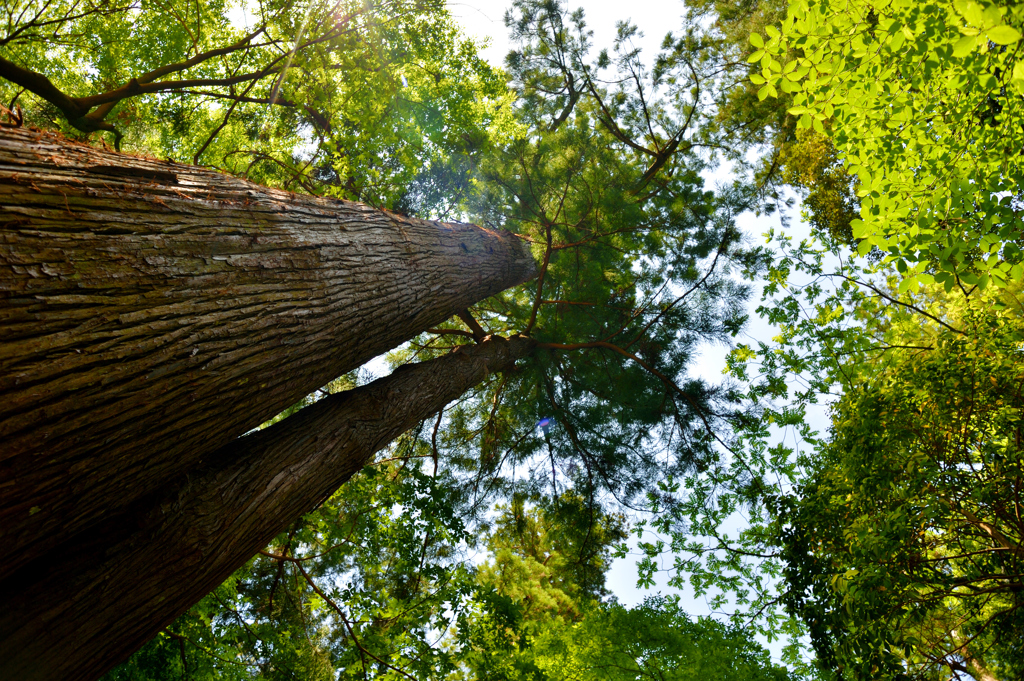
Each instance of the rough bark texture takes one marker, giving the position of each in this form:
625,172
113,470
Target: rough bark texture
77,614
150,312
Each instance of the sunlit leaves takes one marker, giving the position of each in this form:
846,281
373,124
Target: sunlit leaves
653,640
384,103
922,102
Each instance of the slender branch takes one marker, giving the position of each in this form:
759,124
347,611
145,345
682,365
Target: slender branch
567,302
452,332
896,301
540,284
478,332
433,439
213,135
665,379
168,69
334,606
40,85
991,530
681,298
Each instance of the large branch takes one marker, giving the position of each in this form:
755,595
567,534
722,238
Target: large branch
82,112
40,85
151,312
88,113
991,530
168,69
102,597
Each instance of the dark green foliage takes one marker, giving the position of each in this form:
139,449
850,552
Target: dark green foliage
903,548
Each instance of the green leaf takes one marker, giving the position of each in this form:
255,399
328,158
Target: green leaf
767,91
1003,35
756,40
971,11
964,46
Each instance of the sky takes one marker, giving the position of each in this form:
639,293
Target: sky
654,18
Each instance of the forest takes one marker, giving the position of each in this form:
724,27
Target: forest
216,214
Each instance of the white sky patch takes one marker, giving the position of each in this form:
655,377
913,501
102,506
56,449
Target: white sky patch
655,18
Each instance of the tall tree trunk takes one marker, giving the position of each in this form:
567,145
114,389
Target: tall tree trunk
150,312
76,614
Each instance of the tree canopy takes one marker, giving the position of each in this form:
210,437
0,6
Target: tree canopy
376,102
913,563
852,486
923,102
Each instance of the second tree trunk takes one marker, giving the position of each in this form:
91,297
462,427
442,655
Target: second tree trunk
76,613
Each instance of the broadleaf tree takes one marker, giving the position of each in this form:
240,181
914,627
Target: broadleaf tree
347,98
911,97
885,531
922,102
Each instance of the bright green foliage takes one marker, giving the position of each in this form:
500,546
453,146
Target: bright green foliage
762,138
553,558
655,640
546,569
380,102
493,641
830,206
924,103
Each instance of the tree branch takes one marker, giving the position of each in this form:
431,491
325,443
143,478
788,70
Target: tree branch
478,332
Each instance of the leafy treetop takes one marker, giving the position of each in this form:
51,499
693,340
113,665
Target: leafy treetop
378,102
923,103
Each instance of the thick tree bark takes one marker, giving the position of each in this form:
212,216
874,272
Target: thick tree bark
150,312
76,614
